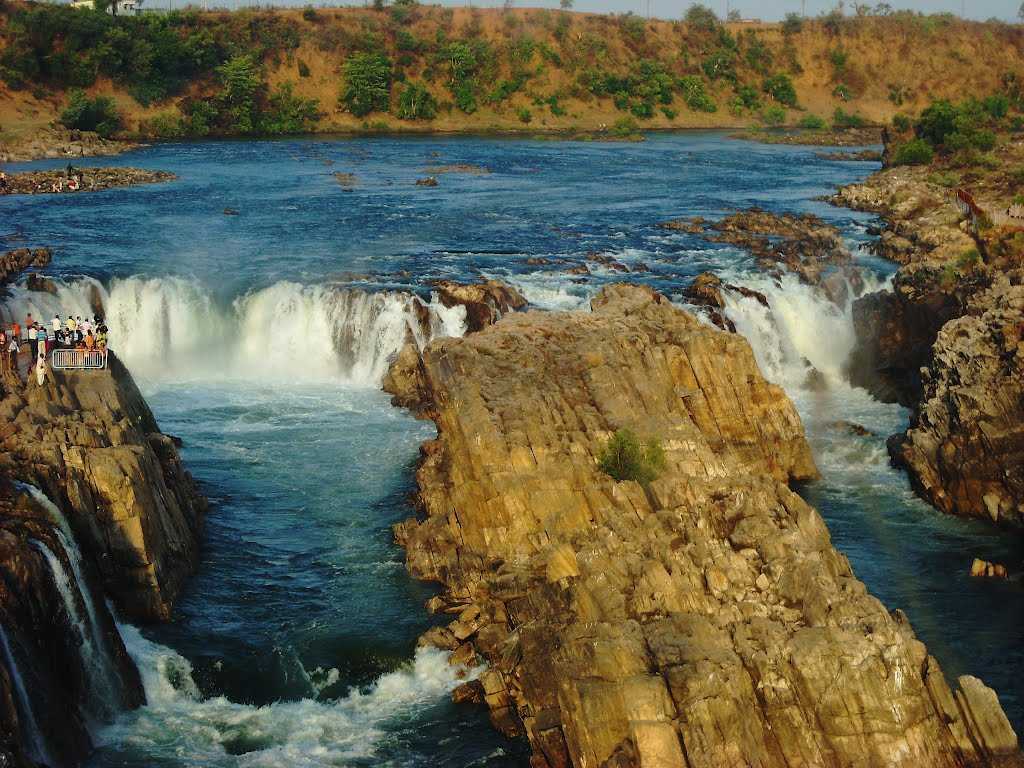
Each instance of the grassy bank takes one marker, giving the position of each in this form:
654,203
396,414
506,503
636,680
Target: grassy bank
408,67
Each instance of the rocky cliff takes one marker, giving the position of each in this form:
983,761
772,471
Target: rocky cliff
63,665
702,620
944,339
965,447
89,440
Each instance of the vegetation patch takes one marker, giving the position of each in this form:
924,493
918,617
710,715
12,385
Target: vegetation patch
626,457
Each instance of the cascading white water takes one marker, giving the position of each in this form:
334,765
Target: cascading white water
36,744
216,732
801,327
172,329
96,653
103,681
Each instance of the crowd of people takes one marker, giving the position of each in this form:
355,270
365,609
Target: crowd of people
40,339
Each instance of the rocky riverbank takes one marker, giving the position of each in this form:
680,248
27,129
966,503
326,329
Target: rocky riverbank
701,620
88,180
56,142
945,340
842,137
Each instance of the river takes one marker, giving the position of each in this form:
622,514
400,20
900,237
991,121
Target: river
257,301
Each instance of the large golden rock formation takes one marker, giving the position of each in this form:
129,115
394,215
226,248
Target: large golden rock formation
702,620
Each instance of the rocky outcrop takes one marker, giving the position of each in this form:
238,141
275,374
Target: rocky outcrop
484,302
964,450
89,440
59,142
896,328
803,245
706,291
13,263
702,620
92,180
61,665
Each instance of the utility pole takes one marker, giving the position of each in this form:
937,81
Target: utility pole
803,9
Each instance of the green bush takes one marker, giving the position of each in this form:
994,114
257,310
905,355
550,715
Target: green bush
303,69
626,457
936,122
720,65
669,113
997,106
415,102
781,89
85,114
367,84
913,152
695,94
842,92
747,97
287,113
842,120
773,115
902,123
625,127
792,24
812,123
524,115
309,14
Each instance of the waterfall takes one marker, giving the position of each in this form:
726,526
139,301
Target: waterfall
35,743
172,328
105,683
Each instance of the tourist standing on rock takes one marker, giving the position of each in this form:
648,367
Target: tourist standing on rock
33,344
41,339
56,323
90,341
71,325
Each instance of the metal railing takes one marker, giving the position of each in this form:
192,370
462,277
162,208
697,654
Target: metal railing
78,359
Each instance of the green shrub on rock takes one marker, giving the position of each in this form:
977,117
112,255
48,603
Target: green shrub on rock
626,457
913,152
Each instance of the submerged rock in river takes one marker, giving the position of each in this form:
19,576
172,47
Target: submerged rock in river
703,620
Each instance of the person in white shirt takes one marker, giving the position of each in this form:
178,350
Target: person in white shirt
33,344
56,324
41,370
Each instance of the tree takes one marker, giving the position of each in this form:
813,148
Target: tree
781,89
883,9
792,24
566,5
937,122
367,84
734,15
701,17
1020,12
240,86
85,114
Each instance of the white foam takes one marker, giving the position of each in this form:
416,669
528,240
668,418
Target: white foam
178,722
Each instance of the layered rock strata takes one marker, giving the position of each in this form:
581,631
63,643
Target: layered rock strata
13,263
89,440
702,620
485,302
965,446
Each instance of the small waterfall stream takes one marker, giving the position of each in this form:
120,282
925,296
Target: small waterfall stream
36,744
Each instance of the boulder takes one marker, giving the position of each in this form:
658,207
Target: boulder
484,302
